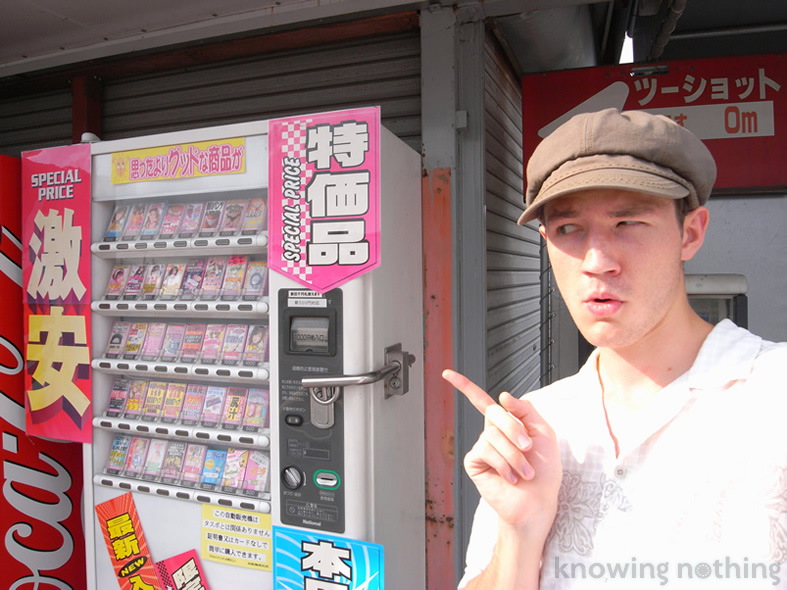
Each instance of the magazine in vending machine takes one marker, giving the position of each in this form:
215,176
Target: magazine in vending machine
257,358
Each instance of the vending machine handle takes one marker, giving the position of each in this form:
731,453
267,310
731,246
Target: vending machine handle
326,390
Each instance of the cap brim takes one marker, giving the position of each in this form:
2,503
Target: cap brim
636,180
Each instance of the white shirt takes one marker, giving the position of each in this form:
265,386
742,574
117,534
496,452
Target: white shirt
698,499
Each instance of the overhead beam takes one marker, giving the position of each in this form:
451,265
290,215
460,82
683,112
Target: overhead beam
140,63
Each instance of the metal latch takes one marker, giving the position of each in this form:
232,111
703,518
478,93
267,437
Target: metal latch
324,391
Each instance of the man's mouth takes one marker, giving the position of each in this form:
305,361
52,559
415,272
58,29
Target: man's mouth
603,305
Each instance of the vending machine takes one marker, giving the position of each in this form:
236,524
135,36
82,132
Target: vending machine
257,348
719,296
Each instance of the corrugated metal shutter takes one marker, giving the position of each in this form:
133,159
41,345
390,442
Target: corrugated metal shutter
35,121
513,258
384,71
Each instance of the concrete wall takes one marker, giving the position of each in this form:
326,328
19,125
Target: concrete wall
747,236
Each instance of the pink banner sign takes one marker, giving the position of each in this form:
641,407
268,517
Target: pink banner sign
56,280
43,545
182,572
324,196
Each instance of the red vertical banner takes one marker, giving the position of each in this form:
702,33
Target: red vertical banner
56,283
126,544
43,544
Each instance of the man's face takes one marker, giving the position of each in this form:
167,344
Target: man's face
617,256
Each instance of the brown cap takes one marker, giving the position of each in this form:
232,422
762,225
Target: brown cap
631,150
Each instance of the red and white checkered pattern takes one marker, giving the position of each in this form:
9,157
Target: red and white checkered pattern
294,146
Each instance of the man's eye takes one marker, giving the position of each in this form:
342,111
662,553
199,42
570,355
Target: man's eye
628,222
566,229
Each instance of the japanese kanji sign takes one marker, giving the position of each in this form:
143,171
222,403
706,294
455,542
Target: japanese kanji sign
315,561
44,545
736,105
237,537
207,158
126,544
56,283
324,196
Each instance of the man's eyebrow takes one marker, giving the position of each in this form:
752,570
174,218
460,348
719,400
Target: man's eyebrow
628,211
633,210
561,213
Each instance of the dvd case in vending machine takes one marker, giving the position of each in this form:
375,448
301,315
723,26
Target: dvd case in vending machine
203,343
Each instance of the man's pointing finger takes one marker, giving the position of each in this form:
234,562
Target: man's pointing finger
477,396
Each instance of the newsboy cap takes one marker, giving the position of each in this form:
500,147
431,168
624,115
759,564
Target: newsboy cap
631,150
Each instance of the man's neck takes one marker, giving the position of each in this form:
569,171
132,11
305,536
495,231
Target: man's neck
633,375
631,378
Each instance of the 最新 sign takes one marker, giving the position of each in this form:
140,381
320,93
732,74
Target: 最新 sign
56,283
126,544
324,196
736,105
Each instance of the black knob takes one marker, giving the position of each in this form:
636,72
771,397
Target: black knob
292,478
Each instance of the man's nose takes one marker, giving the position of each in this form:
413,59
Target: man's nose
600,256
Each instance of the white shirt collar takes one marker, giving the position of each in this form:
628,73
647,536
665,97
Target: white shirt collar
727,355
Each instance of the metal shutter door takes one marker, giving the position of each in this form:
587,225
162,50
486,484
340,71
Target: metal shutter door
383,70
35,121
512,252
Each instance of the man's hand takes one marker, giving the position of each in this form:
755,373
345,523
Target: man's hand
515,464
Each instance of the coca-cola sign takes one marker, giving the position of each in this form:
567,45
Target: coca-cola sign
42,546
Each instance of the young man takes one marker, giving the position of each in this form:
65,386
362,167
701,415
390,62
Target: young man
664,459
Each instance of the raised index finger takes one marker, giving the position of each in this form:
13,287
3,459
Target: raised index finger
477,396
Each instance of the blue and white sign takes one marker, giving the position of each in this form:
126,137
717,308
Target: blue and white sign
305,560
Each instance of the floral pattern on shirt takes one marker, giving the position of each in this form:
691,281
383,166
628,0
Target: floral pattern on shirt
582,504
777,513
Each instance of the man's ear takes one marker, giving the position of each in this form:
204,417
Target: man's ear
694,226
